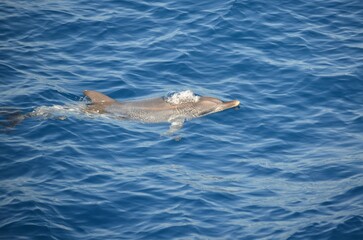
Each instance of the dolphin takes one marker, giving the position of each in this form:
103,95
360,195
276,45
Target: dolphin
174,109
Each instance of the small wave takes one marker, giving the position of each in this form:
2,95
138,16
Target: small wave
186,96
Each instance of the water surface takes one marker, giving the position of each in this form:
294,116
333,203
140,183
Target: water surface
286,165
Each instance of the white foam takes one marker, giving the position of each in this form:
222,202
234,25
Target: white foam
62,111
186,96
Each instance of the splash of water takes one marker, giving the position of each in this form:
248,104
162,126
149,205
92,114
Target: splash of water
186,96
58,111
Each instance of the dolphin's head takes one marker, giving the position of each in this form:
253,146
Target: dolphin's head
207,105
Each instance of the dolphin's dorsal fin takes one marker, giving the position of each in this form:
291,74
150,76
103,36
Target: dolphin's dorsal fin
97,97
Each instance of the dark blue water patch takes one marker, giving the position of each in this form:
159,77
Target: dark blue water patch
350,228
352,195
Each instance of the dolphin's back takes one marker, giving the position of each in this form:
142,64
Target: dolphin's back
149,110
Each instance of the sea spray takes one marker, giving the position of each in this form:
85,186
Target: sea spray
186,96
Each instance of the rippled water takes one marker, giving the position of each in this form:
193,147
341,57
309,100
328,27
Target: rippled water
286,165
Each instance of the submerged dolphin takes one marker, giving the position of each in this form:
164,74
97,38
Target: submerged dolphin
174,110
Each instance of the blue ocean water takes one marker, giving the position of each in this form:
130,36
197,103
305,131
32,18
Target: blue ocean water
286,165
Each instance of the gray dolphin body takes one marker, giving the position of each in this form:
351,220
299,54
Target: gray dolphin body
157,109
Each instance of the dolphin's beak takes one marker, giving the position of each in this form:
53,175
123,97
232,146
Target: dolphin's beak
230,104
